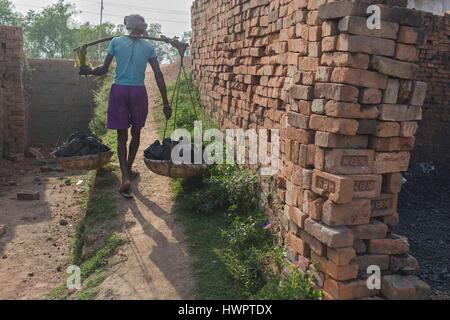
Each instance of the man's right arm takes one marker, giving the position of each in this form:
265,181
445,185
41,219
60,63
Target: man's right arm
98,71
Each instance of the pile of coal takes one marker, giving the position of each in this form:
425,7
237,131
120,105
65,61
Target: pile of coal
158,151
81,144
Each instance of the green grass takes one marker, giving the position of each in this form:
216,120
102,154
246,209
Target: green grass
100,212
233,256
203,236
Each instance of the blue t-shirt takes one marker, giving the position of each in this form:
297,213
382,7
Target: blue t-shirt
132,56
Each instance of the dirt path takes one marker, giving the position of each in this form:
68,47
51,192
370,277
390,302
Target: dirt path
35,236
157,265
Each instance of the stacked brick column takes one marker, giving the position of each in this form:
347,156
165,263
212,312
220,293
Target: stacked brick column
347,102
363,119
13,117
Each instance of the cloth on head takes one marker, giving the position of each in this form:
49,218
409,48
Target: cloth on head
136,22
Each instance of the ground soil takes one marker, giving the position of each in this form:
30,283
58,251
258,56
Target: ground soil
35,244
424,208
155,262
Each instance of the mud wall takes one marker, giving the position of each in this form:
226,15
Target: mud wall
346,100
433,144
60,100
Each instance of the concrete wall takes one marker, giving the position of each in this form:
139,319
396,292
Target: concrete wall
60,100
433,6
13,100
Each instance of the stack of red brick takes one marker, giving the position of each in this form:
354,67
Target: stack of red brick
13,117
347,102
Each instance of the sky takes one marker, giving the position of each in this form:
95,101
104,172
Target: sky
173,15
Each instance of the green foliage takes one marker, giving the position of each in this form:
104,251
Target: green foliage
258,266
47,33
101,95
224,188
291,284
7,14
53,33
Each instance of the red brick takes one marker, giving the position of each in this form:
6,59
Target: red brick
338,188
345,59
392,182
358,25
395,68
363,44
301,92
365,261
298,120
388,162
315,209
297,216
370,96
315,245
346,161
333,237
408,35
384,205
419,93
404,263
366,186
338,92
359,77
396,287
408,129
393,245
398,112
334,125
341,256
350,110
300,135
308,63
337,272
406,52
297,244
348,290
329,140
387,129
392,144
374,230
354,213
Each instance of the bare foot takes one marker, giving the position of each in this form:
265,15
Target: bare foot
125,189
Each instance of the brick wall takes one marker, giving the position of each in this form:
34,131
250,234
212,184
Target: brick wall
13,103
346,100
60,100
433,145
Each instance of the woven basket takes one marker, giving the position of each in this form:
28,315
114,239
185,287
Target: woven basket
89,162
169,169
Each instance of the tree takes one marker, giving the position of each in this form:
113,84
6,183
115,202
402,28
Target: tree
47,33
186,37
88,32
8,16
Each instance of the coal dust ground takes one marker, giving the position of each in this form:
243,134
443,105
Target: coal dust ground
424,208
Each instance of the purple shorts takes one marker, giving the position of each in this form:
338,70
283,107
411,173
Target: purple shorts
127,106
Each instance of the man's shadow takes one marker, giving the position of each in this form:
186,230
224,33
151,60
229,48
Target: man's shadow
166,255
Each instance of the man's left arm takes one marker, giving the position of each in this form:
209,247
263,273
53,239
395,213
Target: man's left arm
161,86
